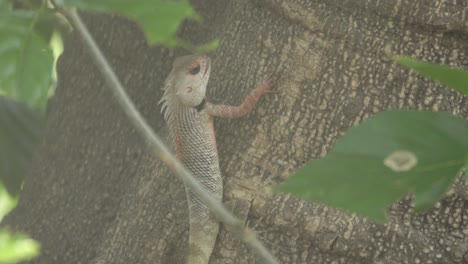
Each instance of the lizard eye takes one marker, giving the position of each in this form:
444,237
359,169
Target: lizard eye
195,70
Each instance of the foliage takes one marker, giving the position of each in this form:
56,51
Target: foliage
453,78
384,158
25,58
390,155
159,19
7,202
14,247
20,131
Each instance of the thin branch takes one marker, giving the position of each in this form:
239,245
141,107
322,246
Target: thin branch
161,151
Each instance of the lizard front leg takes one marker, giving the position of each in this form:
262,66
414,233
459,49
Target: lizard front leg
229,111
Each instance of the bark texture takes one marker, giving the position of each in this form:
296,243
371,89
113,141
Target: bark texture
95,194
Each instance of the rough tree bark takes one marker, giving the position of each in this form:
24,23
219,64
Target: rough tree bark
95,194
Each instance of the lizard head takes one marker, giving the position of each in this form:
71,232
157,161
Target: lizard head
193,73
186,83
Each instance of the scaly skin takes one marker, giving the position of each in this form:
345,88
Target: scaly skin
190,120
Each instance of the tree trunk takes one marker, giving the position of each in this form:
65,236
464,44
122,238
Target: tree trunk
96,194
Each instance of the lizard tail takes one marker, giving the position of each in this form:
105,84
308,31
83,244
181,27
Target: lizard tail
203,231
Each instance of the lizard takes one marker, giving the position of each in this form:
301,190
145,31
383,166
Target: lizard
190,120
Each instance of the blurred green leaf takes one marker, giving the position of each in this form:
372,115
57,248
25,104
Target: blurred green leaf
466,168
207,47
383,159
14,247
7,202
20,130
454,78
25,59
159,19
5,5
27,4
50,22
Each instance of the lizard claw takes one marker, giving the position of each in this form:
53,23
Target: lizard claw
266,85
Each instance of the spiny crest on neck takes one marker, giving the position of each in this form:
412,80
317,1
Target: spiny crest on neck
186,84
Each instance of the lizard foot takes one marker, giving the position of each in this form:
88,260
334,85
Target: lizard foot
265,86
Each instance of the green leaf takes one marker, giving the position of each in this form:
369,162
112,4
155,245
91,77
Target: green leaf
20,130
454,78
207,47
466,168
25,59
14,247
383,159
5,5
7,202
159,19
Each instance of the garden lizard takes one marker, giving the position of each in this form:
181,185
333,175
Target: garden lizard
190,119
